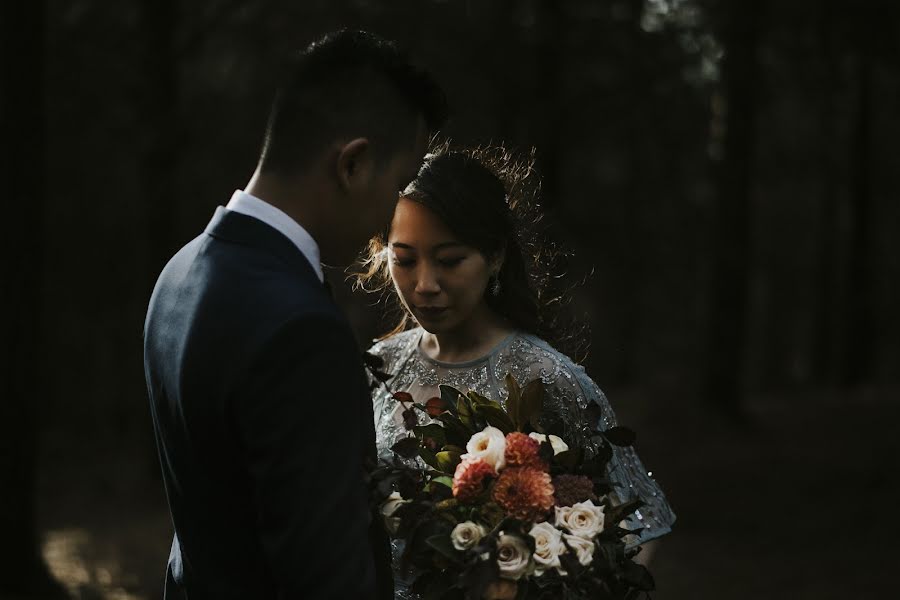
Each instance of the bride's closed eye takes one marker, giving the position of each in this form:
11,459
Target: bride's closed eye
450,261
444,262
403,262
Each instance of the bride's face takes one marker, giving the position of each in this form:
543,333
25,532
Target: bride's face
441,281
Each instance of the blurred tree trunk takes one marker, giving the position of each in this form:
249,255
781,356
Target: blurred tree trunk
549,67
858,347
22,39
160,118
157,170
632,256
499,19
824,346
740,31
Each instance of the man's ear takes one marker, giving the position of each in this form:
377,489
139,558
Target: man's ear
354,163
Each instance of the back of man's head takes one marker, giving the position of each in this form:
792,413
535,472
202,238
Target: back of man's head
347,85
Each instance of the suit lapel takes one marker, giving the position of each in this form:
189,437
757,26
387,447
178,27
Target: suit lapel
241,229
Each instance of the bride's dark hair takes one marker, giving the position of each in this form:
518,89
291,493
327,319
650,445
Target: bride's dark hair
488,197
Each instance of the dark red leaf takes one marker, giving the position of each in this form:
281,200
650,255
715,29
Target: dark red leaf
435,406
403,396
409,418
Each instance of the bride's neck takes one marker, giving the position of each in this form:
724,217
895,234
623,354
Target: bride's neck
470,341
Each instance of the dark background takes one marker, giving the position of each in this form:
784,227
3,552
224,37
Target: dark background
727,172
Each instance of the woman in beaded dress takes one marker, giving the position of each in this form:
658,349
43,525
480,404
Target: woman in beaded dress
454,257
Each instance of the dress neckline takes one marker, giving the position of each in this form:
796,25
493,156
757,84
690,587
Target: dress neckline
465,364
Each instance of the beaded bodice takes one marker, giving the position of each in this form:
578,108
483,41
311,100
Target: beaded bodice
569,391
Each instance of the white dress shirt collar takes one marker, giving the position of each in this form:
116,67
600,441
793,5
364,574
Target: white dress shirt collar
247,204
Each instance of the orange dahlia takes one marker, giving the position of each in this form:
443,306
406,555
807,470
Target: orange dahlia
470,477
523,451
525,493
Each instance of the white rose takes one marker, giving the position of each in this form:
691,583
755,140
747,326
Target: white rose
390,506
584,549
466,535
555,441
548,545
488,445
513,557
583,519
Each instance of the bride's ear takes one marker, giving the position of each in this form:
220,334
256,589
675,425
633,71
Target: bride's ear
354,164
496,262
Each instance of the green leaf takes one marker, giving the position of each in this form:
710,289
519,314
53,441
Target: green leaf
514,401
532,405
457,433
496,417
407,447
479,400
603,455
620,511
444,545
447,461
570,458
449,394
443,480
639,577
452,448
546,451
464,410
429,458
476,577
433,431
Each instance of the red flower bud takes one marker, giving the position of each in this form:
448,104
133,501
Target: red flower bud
435,406
403,396
409,418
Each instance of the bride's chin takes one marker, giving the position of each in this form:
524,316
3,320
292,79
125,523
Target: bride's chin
433,328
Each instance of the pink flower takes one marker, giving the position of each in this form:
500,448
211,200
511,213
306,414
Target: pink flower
470,478
525,493
523,451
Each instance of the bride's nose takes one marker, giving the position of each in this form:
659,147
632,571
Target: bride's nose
427,281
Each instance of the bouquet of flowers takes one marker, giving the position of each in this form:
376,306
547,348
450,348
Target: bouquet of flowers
491,504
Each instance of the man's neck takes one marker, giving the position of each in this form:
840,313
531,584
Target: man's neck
292,197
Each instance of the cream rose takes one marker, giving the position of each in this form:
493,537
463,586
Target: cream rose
548,545
466,535
513,557
388,508
489,445
584,549
583,519
555,441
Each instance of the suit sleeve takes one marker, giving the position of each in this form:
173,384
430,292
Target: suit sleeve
298,420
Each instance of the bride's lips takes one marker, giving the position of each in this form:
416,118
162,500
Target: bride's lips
431,312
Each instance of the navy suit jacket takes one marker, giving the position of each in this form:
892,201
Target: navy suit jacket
262,418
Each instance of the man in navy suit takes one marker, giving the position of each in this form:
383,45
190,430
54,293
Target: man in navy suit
259,401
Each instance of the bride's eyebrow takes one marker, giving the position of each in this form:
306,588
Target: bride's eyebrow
446,245
441,246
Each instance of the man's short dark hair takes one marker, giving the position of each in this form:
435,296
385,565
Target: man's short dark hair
349,84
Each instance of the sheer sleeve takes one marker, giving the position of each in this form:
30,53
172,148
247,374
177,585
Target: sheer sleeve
569,392
629,474
393,352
